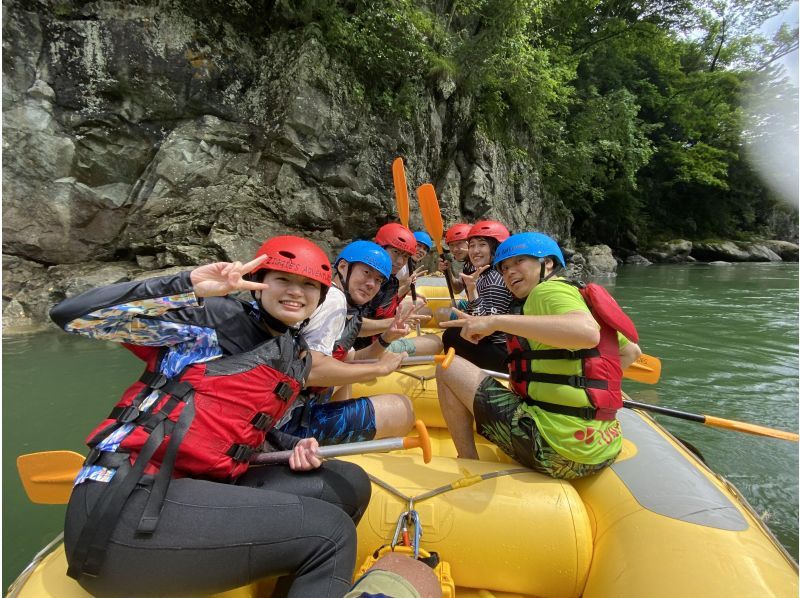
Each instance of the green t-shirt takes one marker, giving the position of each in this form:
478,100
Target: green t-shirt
582,441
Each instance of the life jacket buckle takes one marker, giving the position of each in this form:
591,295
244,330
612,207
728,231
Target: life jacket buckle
158,382
92,457
577,381
261,420
128,415
240,452
283,391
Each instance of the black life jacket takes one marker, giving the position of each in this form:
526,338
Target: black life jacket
602,373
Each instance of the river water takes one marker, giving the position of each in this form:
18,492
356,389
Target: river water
727,337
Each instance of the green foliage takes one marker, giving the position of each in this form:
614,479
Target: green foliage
632,109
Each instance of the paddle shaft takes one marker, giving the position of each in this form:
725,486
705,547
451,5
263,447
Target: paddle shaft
338,450
708,420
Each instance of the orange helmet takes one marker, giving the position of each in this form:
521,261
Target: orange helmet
296,256
457,232
491,229
397,236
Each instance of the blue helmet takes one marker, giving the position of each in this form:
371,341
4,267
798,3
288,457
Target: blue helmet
422,237
369,253
534,244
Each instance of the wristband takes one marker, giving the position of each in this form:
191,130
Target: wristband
382,342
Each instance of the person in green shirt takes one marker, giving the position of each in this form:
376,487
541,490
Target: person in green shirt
540,429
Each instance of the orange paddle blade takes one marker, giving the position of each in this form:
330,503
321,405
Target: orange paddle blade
731,424
48,476
401,190
646,369
431,215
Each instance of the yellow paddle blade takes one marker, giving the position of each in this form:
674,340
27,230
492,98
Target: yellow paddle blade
431,215
401,190
646,369
47,476
730,424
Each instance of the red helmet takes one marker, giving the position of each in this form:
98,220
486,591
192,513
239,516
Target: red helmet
491,229
296,256
457,232
397,236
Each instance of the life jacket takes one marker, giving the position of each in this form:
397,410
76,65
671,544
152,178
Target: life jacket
352,327
602,373
206,423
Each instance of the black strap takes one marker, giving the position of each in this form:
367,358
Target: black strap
574,381
87,557
587,413
152,510
241,452
552,354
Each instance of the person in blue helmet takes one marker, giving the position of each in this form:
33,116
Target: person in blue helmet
424,245
358,273
565,360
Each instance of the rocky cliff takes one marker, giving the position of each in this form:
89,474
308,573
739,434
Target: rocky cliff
141,137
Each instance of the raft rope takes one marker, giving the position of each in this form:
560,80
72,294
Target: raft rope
410,515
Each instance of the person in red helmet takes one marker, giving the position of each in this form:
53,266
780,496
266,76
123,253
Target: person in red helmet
486,295
166,501
400,243
456,239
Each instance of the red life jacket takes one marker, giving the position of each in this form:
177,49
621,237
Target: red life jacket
206,422
236,400
602,373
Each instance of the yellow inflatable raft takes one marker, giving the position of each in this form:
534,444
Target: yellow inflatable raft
657,522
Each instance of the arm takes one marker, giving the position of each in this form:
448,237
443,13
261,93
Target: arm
327,371
573,330
134,312
628,354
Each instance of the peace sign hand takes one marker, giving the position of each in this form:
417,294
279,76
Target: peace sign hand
471,280
223,278
473,328
399,327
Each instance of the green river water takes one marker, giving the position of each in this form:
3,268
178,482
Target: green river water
727,337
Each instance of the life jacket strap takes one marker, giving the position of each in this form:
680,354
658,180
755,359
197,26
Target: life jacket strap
574,381
552,354
241,452
587,413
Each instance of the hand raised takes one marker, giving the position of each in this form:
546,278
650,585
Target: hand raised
473,328
470,280
222,278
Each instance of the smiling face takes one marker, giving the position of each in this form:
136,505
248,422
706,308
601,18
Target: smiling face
290,298
421,252
459,249
365,281
480,251
399,258
521,274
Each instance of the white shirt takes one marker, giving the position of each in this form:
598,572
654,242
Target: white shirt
326,324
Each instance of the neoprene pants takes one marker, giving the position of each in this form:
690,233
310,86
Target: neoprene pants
486,354
213,536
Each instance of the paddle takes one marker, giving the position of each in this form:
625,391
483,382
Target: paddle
383,445
48,476
403,210
445,359
708,420
432,217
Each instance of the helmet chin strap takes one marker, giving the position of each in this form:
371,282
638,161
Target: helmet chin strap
553,272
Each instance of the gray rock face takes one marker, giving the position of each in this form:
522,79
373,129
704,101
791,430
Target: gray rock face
637,260
787,251
599,260
150,138
670,252
731,251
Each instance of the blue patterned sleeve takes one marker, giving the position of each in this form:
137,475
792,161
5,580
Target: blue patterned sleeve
130,312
